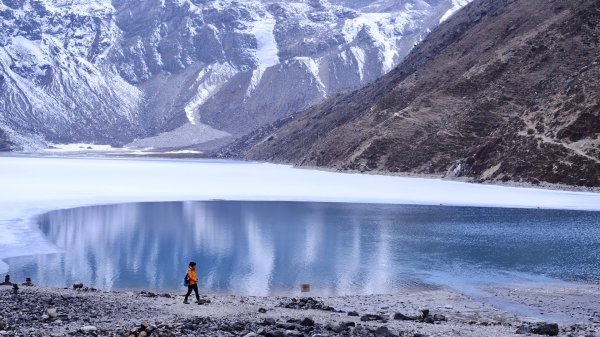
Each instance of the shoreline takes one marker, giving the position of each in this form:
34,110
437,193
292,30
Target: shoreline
55,312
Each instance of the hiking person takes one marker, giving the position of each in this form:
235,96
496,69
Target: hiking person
192,282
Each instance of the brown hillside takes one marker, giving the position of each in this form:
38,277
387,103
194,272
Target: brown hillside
504,90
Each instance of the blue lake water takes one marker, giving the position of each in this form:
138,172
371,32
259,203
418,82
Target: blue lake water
261,248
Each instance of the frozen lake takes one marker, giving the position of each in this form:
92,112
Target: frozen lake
32,186
261,248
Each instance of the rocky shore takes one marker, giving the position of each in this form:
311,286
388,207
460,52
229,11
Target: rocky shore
40,311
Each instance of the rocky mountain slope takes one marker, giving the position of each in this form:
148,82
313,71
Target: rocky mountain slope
113,71
5,145
505,90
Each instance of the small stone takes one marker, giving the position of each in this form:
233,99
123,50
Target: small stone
371,317
88,328
273,333
45,317
203,301
307,321
550,329
52,312
522,330
269,321
262,310
352,313
448,306
439,317
250,334
292,333
336,328
142,334
401,317
383,331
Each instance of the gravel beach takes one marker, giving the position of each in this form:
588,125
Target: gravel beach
570,309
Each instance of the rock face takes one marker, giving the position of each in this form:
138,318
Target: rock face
114,71
504,90
5,145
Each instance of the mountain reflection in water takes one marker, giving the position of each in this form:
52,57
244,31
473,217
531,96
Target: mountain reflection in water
262,248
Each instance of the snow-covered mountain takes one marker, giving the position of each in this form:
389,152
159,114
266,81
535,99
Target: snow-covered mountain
189,71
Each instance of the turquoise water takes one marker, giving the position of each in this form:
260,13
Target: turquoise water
261,248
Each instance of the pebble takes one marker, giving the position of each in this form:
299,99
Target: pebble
88,328
52,312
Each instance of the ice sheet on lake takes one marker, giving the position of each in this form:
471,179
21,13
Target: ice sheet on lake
34,185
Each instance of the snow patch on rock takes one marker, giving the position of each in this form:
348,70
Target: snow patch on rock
267,50
209,81
456,6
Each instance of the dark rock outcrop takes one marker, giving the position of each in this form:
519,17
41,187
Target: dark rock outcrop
306,303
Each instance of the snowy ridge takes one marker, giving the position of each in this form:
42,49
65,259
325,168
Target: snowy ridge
116,71
456,6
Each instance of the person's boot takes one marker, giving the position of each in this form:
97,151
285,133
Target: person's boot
186,302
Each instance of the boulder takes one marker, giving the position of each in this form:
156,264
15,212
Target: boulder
371,317
292,333
550,329
274,333
401,317
439,317
383,331
307,321
269,321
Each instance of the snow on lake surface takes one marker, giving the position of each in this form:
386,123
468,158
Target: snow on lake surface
34,185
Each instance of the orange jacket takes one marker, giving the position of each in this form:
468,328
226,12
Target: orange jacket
192,275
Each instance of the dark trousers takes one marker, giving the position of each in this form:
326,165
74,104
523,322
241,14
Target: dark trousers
193,287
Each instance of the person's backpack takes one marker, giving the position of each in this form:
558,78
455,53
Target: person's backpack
186,280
